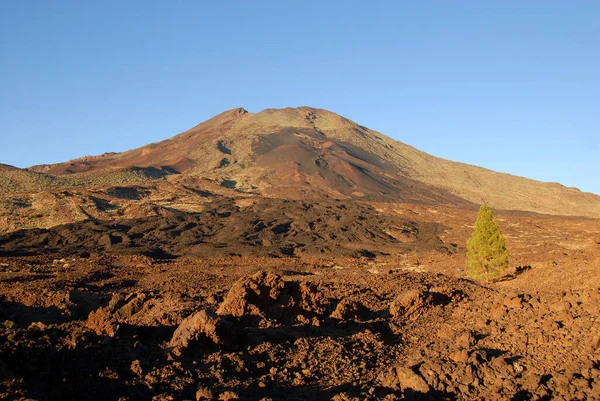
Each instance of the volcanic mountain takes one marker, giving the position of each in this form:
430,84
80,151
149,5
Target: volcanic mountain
308,153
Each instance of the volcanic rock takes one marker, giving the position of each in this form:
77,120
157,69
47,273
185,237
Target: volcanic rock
207,325
266,297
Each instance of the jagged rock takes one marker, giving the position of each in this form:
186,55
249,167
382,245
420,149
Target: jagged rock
409,303
204,324
204,393
105,321
136,368
267,296
459,356
116,302
514,301
350,310
248,296
102,322
405,379
465,340
228,395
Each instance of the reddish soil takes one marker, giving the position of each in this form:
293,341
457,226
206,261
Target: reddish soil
373,305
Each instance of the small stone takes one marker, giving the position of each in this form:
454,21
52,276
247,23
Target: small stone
163,397
303,319
514,302
517,367
444,332
38,325
596,342
480,324
465,340
203,393
136,368
340,397
402,378
498,313
559,306
409,380
461,356
228,395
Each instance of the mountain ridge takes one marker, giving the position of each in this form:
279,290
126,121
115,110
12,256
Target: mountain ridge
308,152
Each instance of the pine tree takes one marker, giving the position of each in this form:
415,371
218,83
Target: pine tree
486,249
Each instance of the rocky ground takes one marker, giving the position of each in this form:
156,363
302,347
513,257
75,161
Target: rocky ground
252,328
236,227
86,316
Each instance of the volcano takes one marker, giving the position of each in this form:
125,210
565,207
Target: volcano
308,153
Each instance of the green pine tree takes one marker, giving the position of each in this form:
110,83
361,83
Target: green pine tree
486,250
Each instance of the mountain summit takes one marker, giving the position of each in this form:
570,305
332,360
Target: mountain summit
308,153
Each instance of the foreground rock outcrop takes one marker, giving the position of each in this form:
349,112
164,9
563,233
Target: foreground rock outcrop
267,299
205,325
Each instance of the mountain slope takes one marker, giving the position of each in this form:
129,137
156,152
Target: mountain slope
14,179
314,153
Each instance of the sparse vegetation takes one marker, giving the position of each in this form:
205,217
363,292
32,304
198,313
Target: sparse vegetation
487,256
15,180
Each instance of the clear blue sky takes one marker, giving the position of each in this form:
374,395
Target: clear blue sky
513,86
